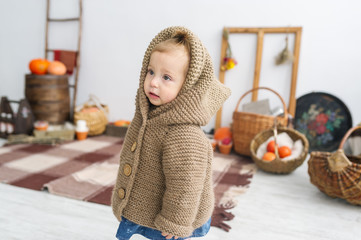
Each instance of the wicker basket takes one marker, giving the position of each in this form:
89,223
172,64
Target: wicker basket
246,125
116,131
96,121
278,165
337,175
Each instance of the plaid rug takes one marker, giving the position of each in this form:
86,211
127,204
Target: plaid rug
86,170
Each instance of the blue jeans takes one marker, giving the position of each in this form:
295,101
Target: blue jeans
127,229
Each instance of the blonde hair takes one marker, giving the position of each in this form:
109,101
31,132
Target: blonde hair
179,39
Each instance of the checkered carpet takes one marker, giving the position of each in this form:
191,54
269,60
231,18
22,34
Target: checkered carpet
86,170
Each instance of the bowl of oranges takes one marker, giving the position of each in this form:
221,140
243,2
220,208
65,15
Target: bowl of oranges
279,150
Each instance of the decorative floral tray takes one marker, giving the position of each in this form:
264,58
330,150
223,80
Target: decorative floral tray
323,119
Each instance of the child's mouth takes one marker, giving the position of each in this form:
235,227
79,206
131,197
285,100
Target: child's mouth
152,95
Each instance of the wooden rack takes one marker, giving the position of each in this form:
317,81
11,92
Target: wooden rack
260,36
47,50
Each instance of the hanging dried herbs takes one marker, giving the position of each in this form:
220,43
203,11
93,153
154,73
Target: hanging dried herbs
285,55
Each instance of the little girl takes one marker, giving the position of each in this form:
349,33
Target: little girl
164,184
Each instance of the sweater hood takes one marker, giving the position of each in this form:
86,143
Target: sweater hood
201,94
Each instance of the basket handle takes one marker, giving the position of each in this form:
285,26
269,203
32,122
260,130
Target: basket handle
95,100
338,160
275,133
348,133
265,88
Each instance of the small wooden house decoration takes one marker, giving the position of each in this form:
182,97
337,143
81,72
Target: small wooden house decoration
15,123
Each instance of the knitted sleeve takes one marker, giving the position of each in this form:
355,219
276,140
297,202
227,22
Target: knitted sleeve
185,161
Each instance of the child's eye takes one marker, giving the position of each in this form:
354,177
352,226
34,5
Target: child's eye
166,77
150,71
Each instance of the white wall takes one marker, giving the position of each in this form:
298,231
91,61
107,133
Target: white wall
116,33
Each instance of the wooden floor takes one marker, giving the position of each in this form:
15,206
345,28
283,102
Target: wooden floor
275,207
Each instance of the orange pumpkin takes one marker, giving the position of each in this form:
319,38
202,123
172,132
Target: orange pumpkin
284,151
90,109
271,146
56,68
121,123
222,133
39,66
269,156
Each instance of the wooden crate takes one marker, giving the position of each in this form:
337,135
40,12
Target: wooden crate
115,131
63,132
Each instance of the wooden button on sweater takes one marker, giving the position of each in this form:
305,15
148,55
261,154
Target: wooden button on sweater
127,170
121,193
134,146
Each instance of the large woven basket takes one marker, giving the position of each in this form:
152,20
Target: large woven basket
278,165
96,121
337,175
246,125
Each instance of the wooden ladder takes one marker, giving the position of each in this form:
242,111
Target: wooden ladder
47,50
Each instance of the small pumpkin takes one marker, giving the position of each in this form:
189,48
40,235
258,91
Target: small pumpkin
222,133
57,68
90,109
121,123
39,66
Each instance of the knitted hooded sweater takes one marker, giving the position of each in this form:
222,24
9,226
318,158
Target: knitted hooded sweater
165,175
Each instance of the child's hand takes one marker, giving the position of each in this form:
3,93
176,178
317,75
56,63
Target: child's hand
168,236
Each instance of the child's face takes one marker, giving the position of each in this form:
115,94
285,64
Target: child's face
166,74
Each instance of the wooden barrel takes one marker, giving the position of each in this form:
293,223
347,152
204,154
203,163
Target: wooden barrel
48,96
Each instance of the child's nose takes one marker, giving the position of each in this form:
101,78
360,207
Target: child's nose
154,82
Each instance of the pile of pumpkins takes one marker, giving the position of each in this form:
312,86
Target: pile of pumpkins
40,66
222,139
